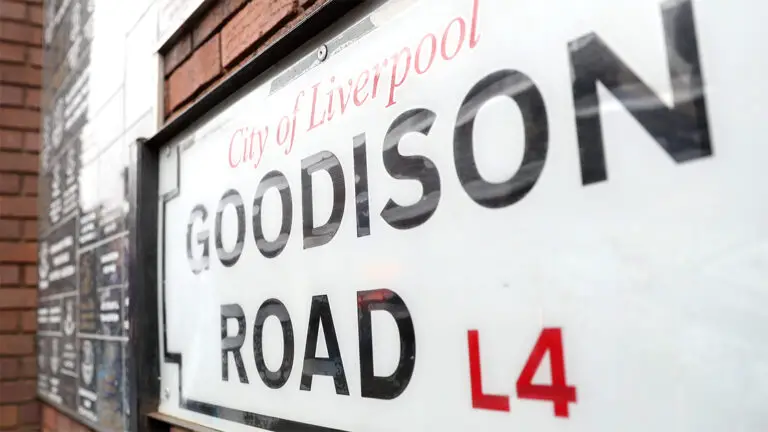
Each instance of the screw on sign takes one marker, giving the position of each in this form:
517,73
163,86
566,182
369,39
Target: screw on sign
322,53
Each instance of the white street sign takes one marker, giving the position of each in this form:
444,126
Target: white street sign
482,215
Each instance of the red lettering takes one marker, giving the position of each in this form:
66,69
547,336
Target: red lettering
232,163
263,135
444,42
474,38
558,392
394,83
342,100
282,137
312,119
359,87
357,90
249,154
481,400
330,100
293,122
376,78
246,142
433,50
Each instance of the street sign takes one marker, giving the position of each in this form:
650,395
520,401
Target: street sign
481,215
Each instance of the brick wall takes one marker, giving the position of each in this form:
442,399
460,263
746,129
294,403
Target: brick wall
54,421
229,33
20,79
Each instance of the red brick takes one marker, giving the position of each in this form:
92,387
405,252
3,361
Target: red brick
177,54
9,275
17,391
35,56
12,10
15,345
29,413
63,423
9,369
11,96
29,185
32,98
32,141
29,230
9,230
9,183
11,53
22,33
213,19
9,415
19,162
17,299
49,417
28,367
19,118
30,275
18,206
10,140
29,321
9,321
20,75
166,99
198,70
255,21
310,8
36,14
25,253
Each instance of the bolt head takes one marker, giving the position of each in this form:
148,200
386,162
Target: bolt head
322,53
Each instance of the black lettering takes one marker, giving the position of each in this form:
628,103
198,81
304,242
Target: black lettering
361,186
278,378
391,386
331,366
520,88
229,258
202,263
419,168
276,179
232,343
681,130
327,161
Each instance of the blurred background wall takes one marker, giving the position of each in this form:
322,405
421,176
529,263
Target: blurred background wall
21,59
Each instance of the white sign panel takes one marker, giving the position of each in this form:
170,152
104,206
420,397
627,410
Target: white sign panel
483,215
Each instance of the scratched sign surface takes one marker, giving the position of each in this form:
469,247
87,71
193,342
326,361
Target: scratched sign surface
479,215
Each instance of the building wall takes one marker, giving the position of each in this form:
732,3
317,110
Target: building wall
130,91
100,92
20,78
